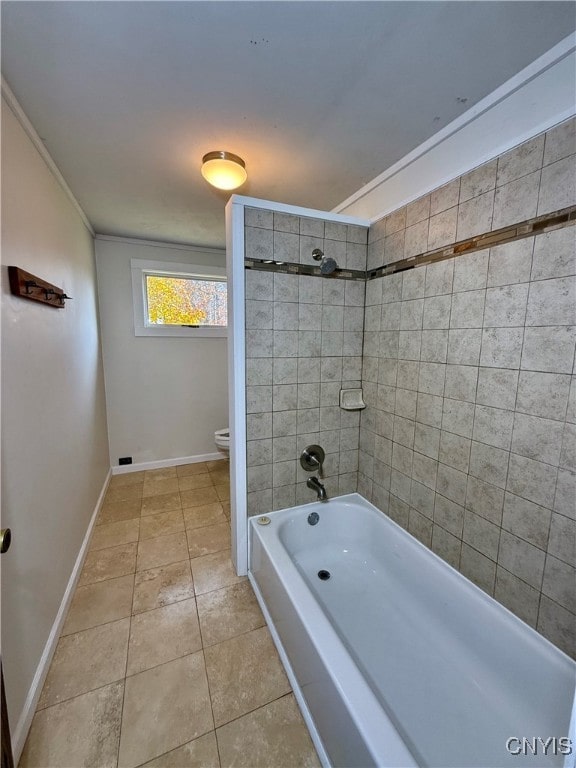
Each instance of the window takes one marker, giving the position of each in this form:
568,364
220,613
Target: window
178,299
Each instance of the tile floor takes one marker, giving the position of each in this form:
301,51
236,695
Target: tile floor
165,659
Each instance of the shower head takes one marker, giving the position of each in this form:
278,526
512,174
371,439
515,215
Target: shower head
327,264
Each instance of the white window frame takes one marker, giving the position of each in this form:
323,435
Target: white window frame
141,268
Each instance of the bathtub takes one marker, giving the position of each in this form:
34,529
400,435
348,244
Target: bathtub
398,660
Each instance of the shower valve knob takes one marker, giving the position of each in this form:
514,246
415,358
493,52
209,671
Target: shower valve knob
312,459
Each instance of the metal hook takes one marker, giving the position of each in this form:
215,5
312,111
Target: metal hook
30,284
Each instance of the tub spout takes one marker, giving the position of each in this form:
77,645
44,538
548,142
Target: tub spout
317,486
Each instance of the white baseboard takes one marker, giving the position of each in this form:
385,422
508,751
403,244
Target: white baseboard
29,708
125,468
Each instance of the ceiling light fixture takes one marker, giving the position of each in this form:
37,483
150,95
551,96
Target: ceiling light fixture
224,170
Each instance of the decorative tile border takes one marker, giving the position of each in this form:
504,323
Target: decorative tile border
293,268
535,226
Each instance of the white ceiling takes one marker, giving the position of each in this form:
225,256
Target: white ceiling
317,97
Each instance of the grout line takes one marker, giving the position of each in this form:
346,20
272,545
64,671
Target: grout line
256,709
78,695
126,664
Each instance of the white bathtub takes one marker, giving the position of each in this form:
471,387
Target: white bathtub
397,659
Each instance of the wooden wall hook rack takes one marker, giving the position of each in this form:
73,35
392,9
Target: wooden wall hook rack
28,286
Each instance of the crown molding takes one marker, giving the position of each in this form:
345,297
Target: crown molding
161,244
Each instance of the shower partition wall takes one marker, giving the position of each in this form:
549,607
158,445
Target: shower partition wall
296,340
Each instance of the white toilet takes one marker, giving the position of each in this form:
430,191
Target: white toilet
222,439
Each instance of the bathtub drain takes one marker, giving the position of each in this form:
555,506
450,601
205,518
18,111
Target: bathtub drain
324,575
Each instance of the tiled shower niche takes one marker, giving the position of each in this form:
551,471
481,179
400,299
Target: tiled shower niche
304,338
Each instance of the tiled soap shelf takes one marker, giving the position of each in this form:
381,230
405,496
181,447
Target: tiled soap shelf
351,400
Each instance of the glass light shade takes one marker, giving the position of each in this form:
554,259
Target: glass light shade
224,170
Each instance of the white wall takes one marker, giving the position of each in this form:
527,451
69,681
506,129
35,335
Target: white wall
531,102
54,441
165,396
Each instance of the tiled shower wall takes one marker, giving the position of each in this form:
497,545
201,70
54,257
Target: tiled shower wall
303,344
469,437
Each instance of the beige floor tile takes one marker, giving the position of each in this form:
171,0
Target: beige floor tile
226,509
100,603
223,491
162,635
126,478
214,572
219,465
274,735
85,661
161,524
162,586
164,708
199,497
244,673
84,731
165,473
123,493
220,475
191,482
114,534
162,550
225,613
158,487
209,539
108,564
208,514
200,753
198,468
165,502
115,511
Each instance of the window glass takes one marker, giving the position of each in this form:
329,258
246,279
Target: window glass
185,301
179,299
